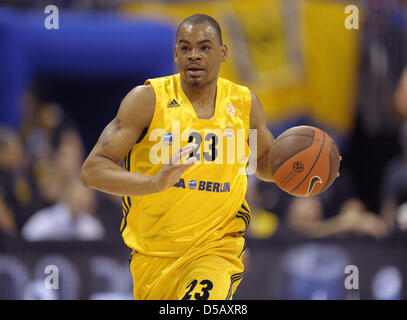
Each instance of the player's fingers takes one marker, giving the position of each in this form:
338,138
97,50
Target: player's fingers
189,162
186,153
185,165
182,153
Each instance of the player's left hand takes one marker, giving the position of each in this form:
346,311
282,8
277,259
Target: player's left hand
170,172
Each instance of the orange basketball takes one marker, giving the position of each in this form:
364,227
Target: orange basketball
304,161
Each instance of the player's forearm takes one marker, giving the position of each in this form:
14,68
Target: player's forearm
263,171
104,175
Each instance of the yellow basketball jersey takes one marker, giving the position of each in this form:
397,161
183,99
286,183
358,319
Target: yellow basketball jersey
208,202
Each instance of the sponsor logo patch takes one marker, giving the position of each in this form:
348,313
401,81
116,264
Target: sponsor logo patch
231,109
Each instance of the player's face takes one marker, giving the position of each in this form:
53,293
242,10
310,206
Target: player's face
199,53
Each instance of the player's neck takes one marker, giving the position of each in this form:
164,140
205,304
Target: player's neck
200,95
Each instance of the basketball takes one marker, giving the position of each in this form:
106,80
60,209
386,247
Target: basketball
304,161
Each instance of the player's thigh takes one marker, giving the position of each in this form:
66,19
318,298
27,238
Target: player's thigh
150,281
209,278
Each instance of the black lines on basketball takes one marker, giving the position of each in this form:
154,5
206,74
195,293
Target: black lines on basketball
306,161
284,146
309,171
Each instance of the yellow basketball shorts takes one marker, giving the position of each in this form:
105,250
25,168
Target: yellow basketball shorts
211,272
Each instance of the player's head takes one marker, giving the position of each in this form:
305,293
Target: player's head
199,50
11,149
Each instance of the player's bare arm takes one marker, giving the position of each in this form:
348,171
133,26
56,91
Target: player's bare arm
264,139
101,169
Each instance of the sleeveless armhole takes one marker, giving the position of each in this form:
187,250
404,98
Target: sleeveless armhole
156,88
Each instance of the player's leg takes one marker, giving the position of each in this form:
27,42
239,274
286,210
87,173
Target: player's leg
151,280
210,277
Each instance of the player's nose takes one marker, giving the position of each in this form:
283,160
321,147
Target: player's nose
195,54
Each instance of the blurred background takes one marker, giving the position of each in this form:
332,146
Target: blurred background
60,87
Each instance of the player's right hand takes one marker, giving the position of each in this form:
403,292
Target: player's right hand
171,172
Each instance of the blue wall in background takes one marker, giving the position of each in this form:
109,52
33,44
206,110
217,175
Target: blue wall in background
86,45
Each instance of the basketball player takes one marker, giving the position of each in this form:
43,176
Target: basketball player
184,219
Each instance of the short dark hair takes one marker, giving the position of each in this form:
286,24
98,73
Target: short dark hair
200,18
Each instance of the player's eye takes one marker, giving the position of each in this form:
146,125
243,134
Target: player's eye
184,48
205,48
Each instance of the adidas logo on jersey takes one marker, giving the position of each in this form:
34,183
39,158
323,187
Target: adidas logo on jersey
173,104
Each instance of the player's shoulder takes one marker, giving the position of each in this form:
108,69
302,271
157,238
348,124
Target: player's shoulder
140,97
164,80
138,105
145,92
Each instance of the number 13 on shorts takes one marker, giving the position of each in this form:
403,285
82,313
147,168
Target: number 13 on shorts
198,291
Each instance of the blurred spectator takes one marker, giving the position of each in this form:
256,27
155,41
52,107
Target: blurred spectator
50,185
40,124
382,58
57,152
61,166
312,271
69,155
67,162
267,203
8,225
353,218
71,218
50,137
394,183
400,95
305,218
109,211
17,190
304,215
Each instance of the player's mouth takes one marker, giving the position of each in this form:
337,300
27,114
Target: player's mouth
195,71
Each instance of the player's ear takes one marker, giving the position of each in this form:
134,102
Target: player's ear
224,52
176,54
